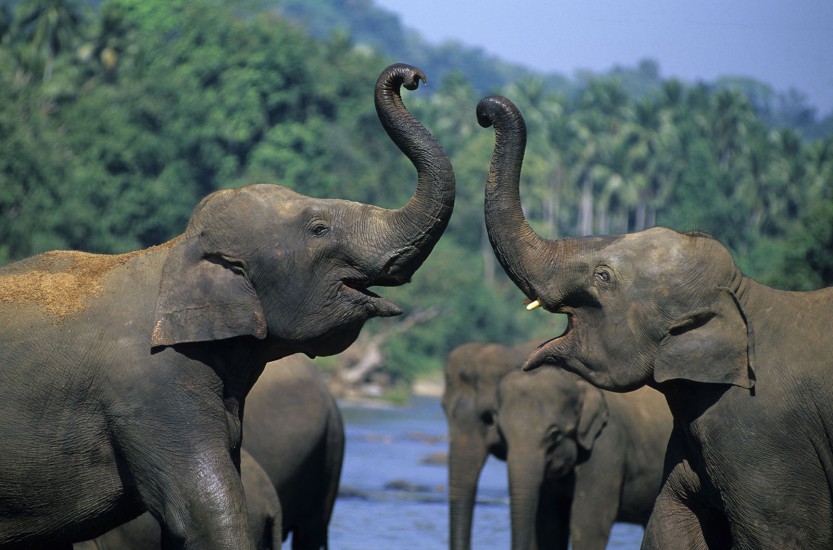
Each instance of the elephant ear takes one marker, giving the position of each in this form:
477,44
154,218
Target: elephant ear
712,345
204,297
592,418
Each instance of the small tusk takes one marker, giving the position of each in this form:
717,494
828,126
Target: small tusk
532,305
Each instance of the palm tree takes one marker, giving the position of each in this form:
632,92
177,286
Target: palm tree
50,27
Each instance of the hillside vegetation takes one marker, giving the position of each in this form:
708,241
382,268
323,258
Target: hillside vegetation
115,119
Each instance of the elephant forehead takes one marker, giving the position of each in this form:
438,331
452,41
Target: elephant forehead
652,252
230,204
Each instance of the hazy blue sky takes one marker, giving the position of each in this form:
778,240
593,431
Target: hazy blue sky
786,43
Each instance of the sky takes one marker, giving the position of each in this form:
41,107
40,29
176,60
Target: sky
785,43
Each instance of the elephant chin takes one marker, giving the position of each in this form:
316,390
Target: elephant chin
553,352
332,342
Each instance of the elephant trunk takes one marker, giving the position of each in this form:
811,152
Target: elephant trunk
526,474
465,462
412,231
518,248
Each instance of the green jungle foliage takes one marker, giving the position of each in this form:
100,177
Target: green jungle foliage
117,117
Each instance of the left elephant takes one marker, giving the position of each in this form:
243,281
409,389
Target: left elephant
125,376
143,533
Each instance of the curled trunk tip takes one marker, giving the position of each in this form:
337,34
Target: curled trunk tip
501,113
400,74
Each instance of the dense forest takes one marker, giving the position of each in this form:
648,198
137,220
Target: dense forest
116,117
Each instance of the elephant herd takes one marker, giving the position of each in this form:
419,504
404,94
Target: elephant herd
683,395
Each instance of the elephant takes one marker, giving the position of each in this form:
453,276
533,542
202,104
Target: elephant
295,431
747,370
125,376
472,374
262,502
578,458
294,427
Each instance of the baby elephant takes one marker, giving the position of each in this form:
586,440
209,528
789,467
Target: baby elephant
579,458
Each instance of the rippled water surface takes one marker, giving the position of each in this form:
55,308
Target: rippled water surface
392,498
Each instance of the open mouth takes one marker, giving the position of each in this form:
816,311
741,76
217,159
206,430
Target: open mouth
359,294
549,351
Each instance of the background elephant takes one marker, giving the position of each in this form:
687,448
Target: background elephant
579,458
294,429
262,502
747,370
472,374
124,376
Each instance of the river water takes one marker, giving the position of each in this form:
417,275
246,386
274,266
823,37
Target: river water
393,497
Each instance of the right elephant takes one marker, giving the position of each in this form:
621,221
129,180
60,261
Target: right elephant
579,458
747,370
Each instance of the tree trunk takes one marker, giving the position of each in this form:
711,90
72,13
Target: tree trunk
586,218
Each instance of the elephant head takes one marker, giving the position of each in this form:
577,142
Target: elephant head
549,420
642,308
295,271
472,374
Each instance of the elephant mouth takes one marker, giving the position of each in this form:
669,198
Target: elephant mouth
358,294
552,350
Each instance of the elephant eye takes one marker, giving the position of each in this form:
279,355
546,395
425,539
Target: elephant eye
602,274
554,437
319,229
487,418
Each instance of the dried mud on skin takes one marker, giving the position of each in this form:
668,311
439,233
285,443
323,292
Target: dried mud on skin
64,280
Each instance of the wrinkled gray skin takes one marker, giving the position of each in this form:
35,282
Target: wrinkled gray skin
294,427
579,458
143,533
747,370
472,374
124,377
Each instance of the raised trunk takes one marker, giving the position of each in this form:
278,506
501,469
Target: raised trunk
526,471
518,248
465,461
411,232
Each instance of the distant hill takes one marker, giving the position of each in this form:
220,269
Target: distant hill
367,24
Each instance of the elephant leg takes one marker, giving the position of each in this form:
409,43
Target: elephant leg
196,493
204,512
678,522
307,536
552,525
597,496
